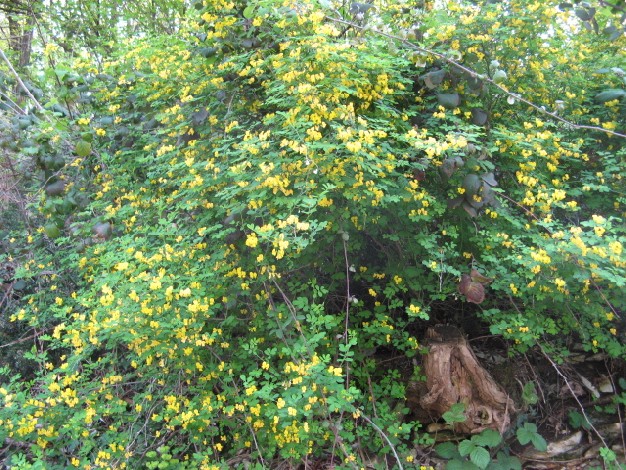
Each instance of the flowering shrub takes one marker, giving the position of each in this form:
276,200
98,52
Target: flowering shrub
253,214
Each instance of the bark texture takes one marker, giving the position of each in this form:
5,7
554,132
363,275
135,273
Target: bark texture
454,375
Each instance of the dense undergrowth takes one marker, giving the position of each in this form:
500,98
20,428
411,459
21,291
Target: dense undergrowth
235,225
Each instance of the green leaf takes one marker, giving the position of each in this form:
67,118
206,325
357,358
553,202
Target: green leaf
480,457
51,230
83,148
466,447
358,7
609,95
460,465
447,450
471,184
449,100
505,462
434,78
456,414
489,438
539,442
499,76
529,433
584,14
529,393
479,117
248,12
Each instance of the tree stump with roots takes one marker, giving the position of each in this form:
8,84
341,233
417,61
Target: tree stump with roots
454,375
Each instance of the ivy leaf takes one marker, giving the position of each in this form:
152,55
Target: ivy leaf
474,84
616,34
456,202
584,14
207,52
464,283
102,230
56,188
473,291
449,166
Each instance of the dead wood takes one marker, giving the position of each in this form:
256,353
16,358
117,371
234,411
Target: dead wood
454,375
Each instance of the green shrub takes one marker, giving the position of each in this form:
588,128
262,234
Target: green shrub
254,213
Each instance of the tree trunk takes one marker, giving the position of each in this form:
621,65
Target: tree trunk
454,375
21,38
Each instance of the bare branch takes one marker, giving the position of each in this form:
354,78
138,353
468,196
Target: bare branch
22,85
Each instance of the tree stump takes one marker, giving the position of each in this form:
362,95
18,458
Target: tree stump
454,375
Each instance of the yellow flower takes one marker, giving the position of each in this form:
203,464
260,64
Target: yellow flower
252,241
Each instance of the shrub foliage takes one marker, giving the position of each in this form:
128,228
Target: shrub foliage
236,224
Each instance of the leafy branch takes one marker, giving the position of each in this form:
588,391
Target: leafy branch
474,74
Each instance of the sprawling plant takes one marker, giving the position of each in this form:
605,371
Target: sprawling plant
242,223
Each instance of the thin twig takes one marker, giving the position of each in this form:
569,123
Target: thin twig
13,103
349,299
580,405
619,412
473,73
380,431
23,340
22,85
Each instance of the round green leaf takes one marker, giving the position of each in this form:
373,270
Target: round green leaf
499,76
471,184
449,100
83,148
479,117
51,230
56,188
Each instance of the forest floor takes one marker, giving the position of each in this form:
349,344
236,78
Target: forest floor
578,404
